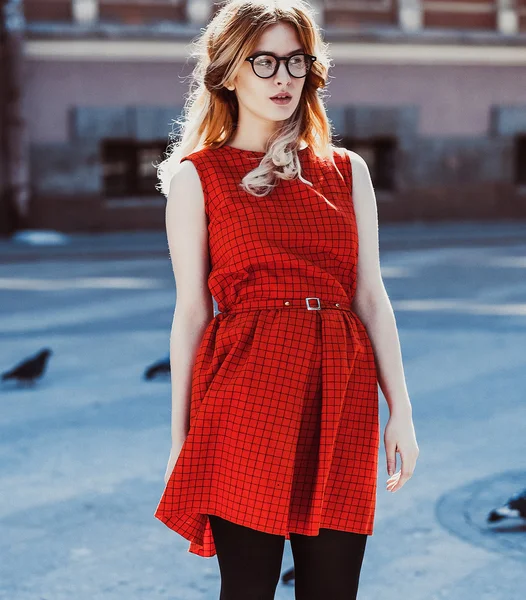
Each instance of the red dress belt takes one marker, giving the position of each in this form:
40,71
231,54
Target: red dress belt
308,303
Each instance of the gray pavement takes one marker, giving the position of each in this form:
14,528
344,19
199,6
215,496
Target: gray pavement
83,453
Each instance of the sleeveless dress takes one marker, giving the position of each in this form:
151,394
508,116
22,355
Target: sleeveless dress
284,420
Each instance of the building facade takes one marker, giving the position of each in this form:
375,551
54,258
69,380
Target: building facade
432,94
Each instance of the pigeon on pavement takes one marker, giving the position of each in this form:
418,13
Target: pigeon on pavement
161,367
514,508
288,576
30,369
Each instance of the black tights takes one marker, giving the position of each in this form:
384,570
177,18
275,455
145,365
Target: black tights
325,566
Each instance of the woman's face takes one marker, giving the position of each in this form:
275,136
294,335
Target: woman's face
254,93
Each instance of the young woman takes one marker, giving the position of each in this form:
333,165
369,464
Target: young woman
275,428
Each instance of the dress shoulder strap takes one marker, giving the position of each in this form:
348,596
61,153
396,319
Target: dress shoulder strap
208,166
343,163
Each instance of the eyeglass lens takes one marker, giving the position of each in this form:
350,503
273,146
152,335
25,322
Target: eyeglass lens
265,65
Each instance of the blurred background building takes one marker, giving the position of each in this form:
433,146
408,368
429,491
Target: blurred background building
432,93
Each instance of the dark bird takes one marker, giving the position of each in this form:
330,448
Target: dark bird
161,367
288,575
30,369
514,508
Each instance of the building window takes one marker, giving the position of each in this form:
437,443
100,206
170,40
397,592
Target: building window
379,154
467,14
361,13
520,160
127,167
58,11
141,12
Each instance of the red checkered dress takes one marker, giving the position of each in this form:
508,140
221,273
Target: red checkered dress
284,428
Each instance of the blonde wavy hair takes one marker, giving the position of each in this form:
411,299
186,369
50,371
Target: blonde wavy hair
210,113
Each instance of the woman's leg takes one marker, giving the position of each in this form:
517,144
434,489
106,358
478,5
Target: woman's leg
249,560
327,565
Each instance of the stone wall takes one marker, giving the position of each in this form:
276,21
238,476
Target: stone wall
450,177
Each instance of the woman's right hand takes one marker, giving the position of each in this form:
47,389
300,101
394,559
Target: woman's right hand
177,444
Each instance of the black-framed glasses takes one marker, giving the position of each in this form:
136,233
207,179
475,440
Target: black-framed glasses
266,64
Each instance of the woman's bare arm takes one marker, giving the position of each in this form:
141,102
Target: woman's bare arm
371,302
187,233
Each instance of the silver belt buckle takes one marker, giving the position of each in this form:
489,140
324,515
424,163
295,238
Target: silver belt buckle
313,307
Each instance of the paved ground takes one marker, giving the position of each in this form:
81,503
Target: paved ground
83,454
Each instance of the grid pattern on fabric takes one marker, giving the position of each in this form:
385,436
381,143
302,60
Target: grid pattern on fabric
284,428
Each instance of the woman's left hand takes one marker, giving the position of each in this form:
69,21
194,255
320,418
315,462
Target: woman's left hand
399,436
